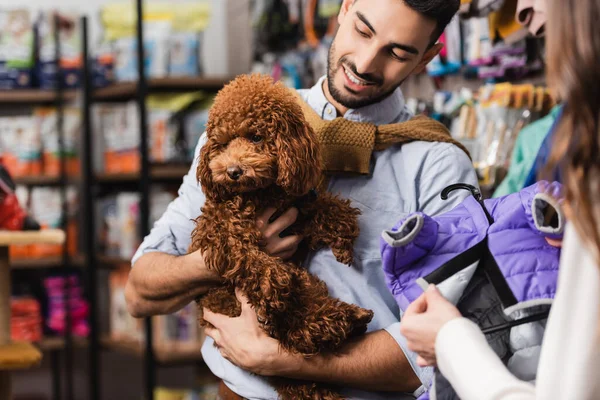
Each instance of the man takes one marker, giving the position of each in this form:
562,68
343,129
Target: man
378,45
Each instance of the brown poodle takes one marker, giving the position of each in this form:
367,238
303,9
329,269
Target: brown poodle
261,153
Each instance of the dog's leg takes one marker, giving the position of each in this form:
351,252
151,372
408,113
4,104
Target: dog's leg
318,323
334,224
289,389
220,300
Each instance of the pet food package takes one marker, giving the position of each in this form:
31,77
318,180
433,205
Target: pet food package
20,146
121,324
179,331
16,48
194,125
71,60
118,126
157,31
184,53
128,210
25,319
163,136
46,119
21,251
109,228
120,215
46,208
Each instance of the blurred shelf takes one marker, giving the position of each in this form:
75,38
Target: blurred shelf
19,355
33,96
128,90
112,261
165,356
58,343
43,180
44,236
46,262
165,172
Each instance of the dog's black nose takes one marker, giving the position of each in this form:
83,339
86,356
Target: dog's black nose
234,172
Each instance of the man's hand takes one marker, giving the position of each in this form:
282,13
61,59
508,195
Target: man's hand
242,341
273,244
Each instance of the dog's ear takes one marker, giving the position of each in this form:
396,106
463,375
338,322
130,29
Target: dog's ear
203,172
298,157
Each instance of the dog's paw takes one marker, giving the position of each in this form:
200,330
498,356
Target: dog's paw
343,251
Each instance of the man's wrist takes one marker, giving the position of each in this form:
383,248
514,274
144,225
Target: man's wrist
194,262
293,365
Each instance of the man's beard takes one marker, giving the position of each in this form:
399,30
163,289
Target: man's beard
347,101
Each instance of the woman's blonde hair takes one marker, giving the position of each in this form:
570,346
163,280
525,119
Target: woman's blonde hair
573,61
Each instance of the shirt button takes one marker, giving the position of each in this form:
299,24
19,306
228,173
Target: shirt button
329,111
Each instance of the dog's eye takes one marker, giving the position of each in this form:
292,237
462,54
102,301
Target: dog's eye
256,138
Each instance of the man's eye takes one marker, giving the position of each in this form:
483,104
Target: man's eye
256,139
361,33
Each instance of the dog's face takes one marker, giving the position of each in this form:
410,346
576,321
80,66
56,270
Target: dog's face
244,158
257,136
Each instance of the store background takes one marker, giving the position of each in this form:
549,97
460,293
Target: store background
486,87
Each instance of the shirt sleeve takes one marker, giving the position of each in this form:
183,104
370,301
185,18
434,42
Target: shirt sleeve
471,366
445,166
425,375
171,234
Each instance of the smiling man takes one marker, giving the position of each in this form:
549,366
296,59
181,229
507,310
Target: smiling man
378,45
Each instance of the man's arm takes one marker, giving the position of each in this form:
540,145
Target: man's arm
164,278
371,362
374,361
161,283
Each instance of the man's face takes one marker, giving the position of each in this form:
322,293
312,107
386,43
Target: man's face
379,43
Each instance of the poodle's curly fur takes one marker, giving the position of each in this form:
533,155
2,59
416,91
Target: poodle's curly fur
260,153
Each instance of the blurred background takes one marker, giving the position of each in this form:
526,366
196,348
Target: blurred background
74,115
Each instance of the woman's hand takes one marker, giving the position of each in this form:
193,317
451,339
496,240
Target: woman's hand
274,245
423,320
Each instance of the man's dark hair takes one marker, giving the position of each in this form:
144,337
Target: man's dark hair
441,11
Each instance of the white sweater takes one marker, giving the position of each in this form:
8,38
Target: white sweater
569,365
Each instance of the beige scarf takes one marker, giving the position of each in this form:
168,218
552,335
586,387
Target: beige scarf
347,146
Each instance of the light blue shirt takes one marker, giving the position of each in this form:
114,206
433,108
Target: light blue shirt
405,179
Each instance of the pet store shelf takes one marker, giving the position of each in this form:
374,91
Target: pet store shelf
44,236
43,180
128,90
19,355
58,343
157,172
46,262
164,356
112,261
33,96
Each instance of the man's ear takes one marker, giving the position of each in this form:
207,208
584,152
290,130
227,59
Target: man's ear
429,55
346,5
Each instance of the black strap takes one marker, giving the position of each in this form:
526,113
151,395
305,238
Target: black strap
458,263
481,252
517,322
497,279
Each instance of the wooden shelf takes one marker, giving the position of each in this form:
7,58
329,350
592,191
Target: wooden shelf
44,180
163,355
46,262
128,90
44,236
33,96
157,172
58,343
112,261
19,355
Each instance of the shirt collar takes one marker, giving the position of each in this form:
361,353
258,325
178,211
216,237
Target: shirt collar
386,111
